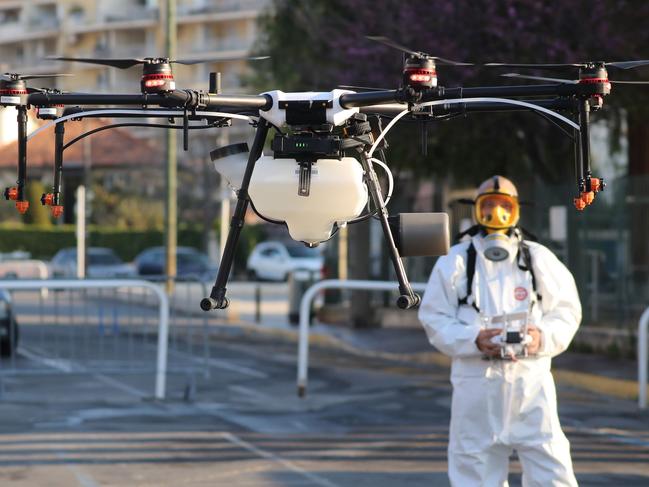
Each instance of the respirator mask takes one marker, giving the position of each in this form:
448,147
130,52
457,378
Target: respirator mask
499,246
497,213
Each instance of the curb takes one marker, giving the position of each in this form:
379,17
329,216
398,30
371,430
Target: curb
617,388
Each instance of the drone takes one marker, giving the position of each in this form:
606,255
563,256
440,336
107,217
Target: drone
322,174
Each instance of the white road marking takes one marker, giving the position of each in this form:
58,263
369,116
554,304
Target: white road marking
121,386
221,364
85,480
317,479
39,356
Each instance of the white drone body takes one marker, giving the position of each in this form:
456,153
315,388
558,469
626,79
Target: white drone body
337,190
336,114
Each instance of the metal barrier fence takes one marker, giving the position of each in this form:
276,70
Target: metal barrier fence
108,327
643,337
305,312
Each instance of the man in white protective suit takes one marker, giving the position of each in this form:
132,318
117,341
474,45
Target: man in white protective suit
504,397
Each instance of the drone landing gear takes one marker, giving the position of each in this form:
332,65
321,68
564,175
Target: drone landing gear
408,298
217,299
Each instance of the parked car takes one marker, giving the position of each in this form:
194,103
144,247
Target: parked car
190,263
8,326
275,260
101,263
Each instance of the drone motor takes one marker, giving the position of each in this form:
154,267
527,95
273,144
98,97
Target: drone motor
13,91
419,73
157,76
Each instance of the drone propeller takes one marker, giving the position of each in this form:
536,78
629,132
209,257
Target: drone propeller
389,42
615,64
199,61
540,78
567,81
16,76
126,63
363,88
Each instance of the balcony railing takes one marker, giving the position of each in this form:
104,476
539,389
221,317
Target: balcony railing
131,14
216,44
222,7
44,22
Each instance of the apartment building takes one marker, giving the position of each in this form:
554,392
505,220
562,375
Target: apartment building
218,30
33,30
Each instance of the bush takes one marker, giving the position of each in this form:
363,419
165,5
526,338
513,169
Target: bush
42,242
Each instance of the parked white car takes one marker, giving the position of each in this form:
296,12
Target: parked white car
274,260
101,263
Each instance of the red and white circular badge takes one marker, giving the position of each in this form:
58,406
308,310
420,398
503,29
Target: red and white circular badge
520,293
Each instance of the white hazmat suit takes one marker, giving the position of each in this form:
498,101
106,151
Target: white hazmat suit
502,405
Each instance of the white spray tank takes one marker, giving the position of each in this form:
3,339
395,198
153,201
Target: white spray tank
335,193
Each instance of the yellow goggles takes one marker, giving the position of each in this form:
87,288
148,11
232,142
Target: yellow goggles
496,211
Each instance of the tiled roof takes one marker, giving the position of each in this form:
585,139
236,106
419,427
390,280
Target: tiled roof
109,148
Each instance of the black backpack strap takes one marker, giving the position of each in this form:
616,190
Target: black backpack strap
471,231
528,235
470,272
524,252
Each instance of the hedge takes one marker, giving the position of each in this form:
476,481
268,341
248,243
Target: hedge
42,242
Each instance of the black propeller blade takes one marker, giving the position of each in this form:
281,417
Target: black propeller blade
567,81
115,63
389,42
541,78
364,88
126,63
216,60
615,64
15,76
526,65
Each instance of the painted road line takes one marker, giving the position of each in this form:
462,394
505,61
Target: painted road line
221,364
317,479
40,356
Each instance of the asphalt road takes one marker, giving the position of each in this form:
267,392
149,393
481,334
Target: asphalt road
70,417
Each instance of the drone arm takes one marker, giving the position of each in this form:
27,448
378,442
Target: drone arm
353,100
192,100
558,89
189,99
44,99
390,109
